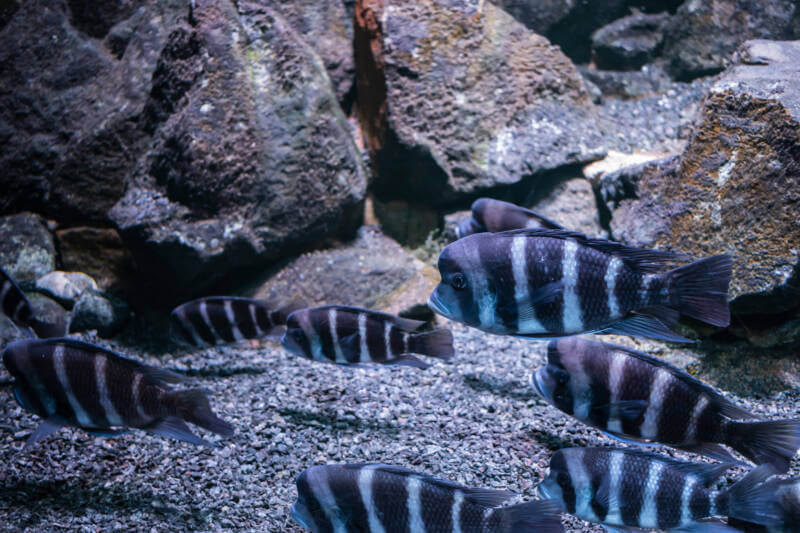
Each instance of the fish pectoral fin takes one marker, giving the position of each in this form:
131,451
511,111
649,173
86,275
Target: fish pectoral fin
544,295
107,433
605,495
175,428
641,325
405,359
631,440
45,429
706,472
714,451
350,343
712,526
629,410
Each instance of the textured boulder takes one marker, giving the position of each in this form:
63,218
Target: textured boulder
252,160
703,34
65,287
99,311
27,249
408,223
630,42
736,187
328,28
572,204
373,271
98,252
457,97
651,79
69,107
44,308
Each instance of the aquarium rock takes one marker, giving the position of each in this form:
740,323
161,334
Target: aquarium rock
630,42
27,250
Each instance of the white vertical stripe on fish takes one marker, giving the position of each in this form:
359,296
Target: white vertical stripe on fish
387,330
580,478
259,332
61,373
691,428
364,355
318,482
648,515
112,415
485,299
340,358
415,523
686,496
228,305
6,287
519,268
658,392
198,340
613,513
571,309
207,320
365,488
615,374
137,381
405,342
612,271
455,515
647,279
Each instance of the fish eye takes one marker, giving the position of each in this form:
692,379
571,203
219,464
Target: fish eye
562,479
458,281
560,375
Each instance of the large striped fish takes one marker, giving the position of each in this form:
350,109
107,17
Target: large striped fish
630,394
787,494
493,216
351,335
552,283
16,307
73,383
623,488
225,319
376,498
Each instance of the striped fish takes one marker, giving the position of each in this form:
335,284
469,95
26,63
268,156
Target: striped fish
787,494
225,319
15,306
552,283
73,383
495,215
352,336
376,498
630,394
623,488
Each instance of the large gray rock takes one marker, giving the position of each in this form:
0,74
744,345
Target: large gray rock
253,159
27,249
701,37
327,26
99,311
734,189
70,107
630,42
572,204
457,97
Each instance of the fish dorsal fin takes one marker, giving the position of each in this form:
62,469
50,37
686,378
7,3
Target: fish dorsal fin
478,496
155,376
705,472
642,259
641,325
726,407
406,324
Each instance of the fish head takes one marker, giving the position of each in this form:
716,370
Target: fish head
177,328
306,507
460,296
295,339
562,380
558,483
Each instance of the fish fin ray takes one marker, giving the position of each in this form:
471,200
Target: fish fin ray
639,325
175,428
46,428
542,516
752,500
627,409
700,289
405,359
714,451
775,442
436,343
193,407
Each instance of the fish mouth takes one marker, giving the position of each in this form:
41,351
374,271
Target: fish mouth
536,384
435,303
298,513
543,491
291,345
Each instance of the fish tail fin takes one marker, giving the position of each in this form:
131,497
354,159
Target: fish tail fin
700,289
752,500
436,343
542,516
192,405
773,442
47,330
282,312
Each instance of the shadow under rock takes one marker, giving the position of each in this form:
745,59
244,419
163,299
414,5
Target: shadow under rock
331,420
72,499
507,388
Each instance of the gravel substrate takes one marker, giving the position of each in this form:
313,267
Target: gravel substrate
475,421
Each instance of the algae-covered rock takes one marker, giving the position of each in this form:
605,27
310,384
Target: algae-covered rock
27,249
457,97
65,287
630,42
252,159
99,311
736,187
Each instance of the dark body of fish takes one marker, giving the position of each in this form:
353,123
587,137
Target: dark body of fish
493,216
15,306
787,494
628,488
73,383
551,283
630,394
354,336
378,498
225,319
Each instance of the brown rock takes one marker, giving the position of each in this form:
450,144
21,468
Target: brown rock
98,252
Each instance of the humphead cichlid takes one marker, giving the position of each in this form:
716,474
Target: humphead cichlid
375,498
493,216
552,283
73,383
